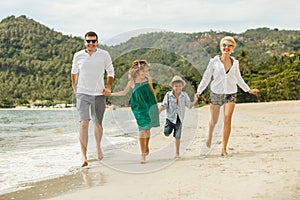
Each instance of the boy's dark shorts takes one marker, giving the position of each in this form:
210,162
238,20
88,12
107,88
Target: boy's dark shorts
169,127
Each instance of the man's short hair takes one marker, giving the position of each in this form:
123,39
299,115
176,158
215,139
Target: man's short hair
91,33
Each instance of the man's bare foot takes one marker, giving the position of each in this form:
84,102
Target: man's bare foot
84,164
100,154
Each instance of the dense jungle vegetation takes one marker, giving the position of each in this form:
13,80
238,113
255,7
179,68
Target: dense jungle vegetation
35,61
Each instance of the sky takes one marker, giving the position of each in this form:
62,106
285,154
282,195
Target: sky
114,18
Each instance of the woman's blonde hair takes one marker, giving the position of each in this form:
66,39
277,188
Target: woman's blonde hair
136,66
229,38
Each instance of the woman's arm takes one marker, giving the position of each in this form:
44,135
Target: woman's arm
195,100
242,84
206,78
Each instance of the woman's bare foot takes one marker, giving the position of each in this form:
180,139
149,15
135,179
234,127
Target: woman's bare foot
177,156
84,164
208,143
224,153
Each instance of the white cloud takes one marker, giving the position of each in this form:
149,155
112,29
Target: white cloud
110,18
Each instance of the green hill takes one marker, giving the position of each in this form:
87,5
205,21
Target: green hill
35,61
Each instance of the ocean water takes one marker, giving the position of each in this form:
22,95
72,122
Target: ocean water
41,144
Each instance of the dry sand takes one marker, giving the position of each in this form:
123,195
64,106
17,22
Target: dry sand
264,163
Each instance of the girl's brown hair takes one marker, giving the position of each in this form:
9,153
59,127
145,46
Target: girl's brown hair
136,66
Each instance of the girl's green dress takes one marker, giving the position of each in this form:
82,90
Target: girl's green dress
144,106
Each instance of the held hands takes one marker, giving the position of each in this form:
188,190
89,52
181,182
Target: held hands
106,92
196,97
253,91
199,96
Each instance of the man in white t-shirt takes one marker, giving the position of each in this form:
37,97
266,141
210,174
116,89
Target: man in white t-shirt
88,69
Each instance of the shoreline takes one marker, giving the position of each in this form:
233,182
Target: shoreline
264,164
18,109
108,107
114,107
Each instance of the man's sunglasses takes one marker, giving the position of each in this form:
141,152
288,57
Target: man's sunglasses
89,41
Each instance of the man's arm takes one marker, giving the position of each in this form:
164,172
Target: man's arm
110,81
107,90
74,82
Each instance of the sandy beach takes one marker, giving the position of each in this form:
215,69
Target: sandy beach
264,163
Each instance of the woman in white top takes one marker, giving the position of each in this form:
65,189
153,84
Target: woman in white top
224,75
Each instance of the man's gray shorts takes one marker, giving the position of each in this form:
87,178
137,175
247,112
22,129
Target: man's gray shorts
89,106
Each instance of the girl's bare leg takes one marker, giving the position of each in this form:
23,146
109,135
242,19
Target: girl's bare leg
147,142
143,145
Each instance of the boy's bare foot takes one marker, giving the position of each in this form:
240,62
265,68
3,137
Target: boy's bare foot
208,143
177,156
84,164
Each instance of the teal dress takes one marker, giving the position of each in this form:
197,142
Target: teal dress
144,106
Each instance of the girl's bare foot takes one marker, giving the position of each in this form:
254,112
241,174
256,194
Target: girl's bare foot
177,156
147,151
143,159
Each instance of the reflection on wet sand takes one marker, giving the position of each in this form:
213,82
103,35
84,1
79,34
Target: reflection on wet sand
77,180
88,176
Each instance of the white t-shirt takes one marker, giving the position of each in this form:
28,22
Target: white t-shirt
90,70
222,82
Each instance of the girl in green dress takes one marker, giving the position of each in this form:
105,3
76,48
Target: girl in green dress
142,102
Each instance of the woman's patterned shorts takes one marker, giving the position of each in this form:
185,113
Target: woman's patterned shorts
220,99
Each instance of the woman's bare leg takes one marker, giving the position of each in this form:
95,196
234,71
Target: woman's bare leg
228,111
214,116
